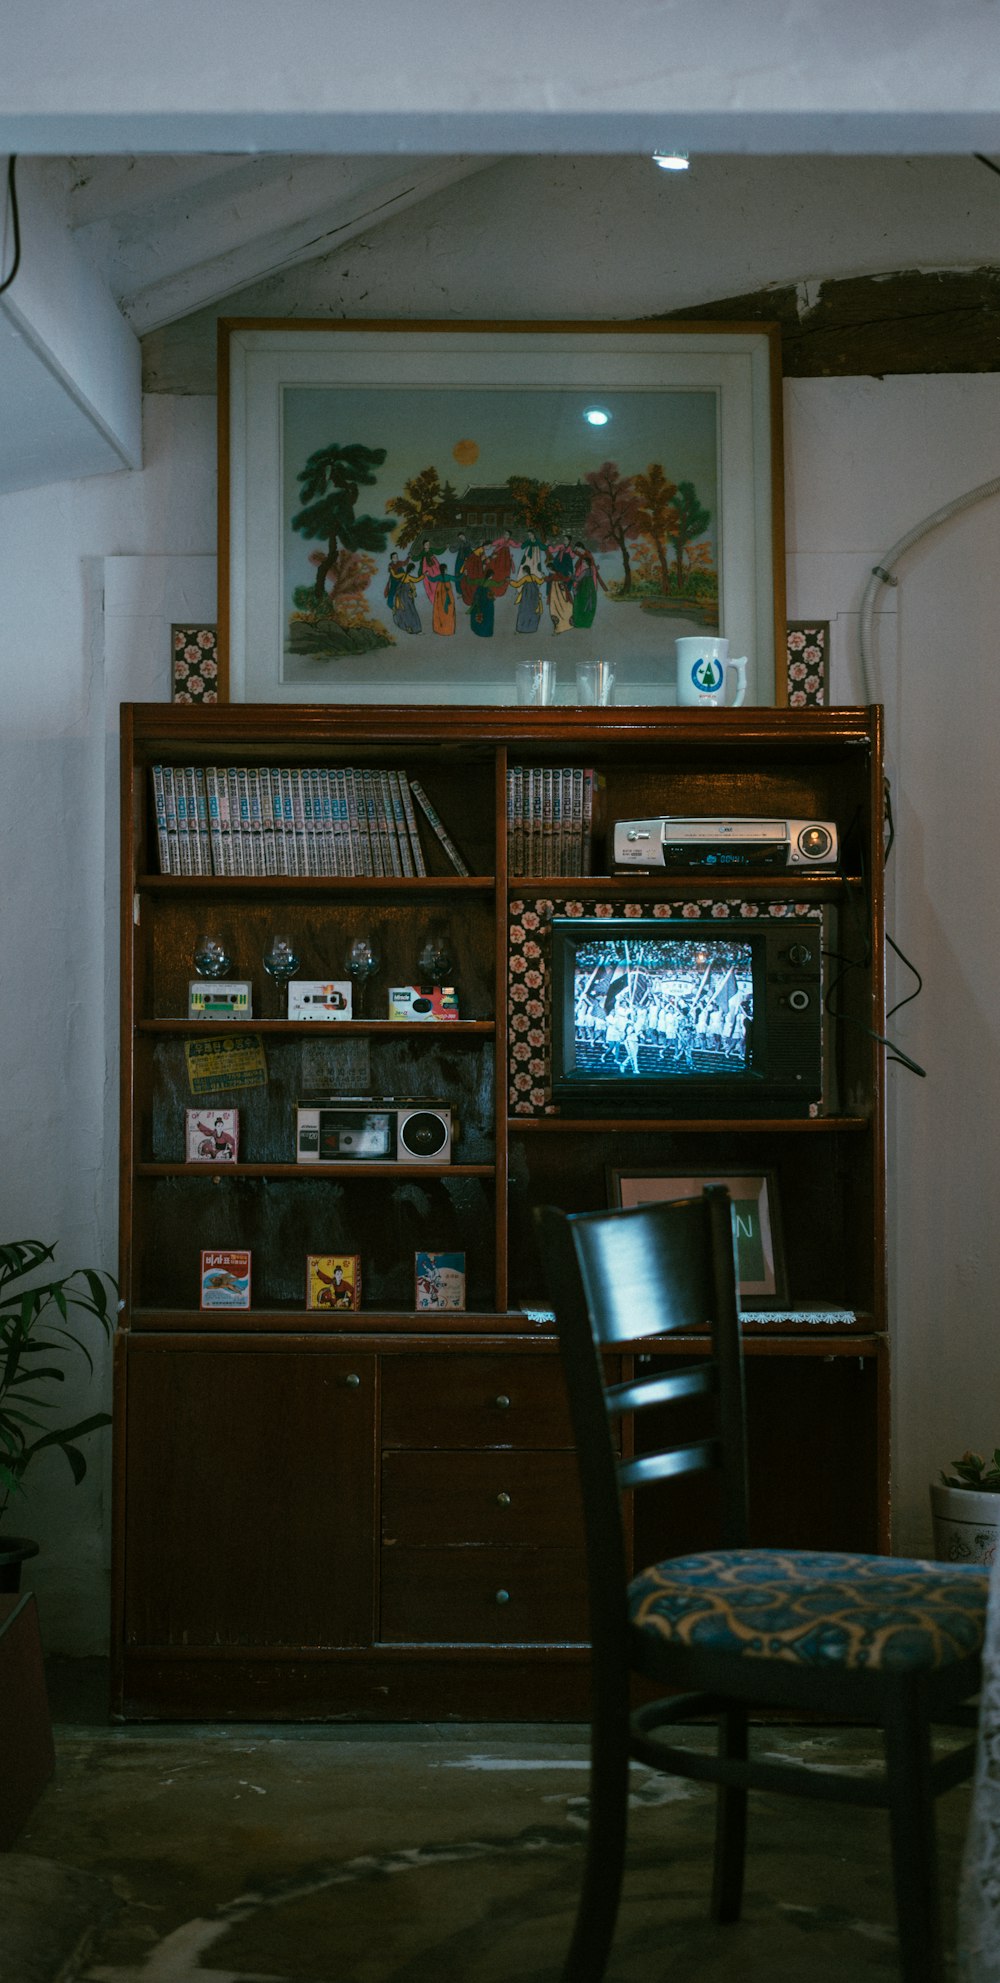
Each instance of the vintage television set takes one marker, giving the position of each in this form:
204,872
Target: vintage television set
711,1017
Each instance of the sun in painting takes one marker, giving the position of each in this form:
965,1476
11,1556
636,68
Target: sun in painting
465,453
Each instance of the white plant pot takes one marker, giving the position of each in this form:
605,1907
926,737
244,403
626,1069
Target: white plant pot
966,1524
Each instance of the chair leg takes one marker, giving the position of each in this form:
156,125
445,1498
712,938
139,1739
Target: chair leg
597,1910
911,1820
730,1822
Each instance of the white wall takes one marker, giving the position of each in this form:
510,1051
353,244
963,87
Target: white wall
866,460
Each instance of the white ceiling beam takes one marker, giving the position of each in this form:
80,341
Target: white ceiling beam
257,220
325,75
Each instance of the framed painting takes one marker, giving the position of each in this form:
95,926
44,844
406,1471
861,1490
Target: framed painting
760,1261
409,510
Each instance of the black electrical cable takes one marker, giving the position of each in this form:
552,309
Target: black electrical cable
15,219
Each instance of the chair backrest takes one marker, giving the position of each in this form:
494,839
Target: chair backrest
631,1281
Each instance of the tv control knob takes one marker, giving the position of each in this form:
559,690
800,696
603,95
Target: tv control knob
799,1001
798,953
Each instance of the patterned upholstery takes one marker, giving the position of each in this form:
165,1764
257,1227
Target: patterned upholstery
819,1610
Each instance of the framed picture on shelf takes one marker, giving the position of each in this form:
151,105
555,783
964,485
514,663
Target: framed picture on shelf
409,509
760,1259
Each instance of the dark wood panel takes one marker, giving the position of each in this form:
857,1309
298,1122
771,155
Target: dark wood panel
446,1499
249,1497
405,1683
483,1596
474,1401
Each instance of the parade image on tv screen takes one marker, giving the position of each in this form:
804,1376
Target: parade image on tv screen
651,1007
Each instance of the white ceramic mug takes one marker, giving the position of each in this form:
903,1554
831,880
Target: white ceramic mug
701,673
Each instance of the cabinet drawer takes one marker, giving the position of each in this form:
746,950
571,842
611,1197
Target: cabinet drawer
455,1401
529,1499
484,1596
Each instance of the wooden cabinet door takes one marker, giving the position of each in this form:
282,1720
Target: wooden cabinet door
249,1496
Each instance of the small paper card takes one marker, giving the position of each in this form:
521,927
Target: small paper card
210,998
333,1280
308,998
440,1279
225,1280
212,1136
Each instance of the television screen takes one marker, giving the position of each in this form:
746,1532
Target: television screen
655,1006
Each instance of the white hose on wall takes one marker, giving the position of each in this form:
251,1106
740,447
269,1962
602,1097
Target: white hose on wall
882,574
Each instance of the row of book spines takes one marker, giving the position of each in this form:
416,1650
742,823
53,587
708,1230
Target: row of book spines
553,815
283,820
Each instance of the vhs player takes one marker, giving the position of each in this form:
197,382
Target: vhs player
720,845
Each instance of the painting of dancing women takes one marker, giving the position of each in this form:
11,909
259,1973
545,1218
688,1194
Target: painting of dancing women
408,511
480,525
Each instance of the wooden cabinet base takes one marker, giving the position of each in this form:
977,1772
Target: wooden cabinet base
27,1756
519,1684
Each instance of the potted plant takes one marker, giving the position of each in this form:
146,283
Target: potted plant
37,1324
965,1507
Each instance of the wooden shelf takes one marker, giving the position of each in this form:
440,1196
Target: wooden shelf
640,881
216,1172
323,1028
561,1125
321,884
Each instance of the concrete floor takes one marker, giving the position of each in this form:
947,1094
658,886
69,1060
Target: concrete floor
423,1854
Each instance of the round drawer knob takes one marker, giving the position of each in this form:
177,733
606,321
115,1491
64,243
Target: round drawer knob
503,1498
502,1402
503,1597
352,1381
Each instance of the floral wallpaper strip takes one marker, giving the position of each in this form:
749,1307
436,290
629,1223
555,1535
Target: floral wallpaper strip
194,664
529,991
808,647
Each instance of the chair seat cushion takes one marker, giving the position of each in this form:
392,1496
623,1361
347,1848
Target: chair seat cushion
818,1610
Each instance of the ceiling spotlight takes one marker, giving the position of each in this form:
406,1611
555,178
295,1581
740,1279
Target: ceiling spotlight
671,161
597,416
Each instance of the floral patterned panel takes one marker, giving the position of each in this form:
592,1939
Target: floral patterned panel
529,994
194,663
808,645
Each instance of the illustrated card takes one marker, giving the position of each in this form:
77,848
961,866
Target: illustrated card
333,1280
440,1280
212,1136
225,1280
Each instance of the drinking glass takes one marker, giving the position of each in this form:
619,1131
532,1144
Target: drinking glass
211,958
535,681
281,961
361,961
435,964
595,682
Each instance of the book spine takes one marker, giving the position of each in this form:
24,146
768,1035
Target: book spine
511,776
246,835
323,807
256,821
225,820
548,821
185,863
343,858
299,823
413,831
163,846
267,847
387,815
371,813
440,829
358,822
235,836
291,866
537,823
576,848
517,850
201,813
399,821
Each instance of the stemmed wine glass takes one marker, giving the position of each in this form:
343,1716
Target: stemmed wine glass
281,961
435,964
361,960
211,958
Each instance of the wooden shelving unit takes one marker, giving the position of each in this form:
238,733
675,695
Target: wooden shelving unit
374,1515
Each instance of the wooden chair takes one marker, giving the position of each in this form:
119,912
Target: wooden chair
874,1639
